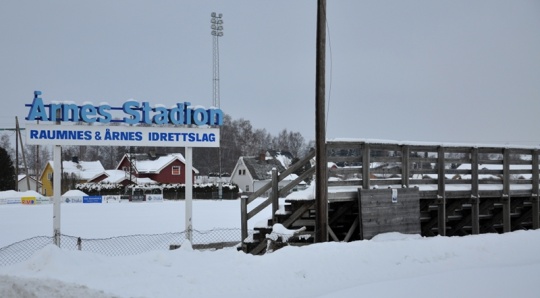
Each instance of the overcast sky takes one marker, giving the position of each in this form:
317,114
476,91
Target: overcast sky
441,71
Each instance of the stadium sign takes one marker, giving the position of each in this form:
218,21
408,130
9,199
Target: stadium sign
133,113
148,126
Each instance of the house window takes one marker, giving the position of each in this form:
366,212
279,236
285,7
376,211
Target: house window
241,172
50,176
176,170
247,187
125,169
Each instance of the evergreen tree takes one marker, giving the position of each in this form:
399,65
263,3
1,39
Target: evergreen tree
7,172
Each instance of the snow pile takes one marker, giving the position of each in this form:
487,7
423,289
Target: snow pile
74,193
389,265
393,265
19,194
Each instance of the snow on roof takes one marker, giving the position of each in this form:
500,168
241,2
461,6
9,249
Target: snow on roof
85,170
115,176
155,166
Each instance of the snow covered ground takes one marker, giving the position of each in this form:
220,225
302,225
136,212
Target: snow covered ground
390,265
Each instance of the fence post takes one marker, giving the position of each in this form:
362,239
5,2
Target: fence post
243,217
535,181
79,243
405,166
275,194
506,200
441,189
365,166
475,195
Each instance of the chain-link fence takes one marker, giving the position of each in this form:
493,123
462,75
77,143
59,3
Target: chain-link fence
123,245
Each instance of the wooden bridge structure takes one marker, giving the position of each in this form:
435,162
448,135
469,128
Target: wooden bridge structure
424,188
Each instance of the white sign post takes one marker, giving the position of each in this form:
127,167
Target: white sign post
57,192
189,194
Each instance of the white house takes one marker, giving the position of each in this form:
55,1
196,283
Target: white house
251,173
23,181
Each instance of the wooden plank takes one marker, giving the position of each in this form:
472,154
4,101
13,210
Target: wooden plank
243,217
332,234
345,159
287,188
298,213
379,214
258,209
535,190
275,193
351,230
385,159
506,200
365,166
405,166
441,192
475,196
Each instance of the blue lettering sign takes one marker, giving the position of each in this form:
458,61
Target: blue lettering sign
135,113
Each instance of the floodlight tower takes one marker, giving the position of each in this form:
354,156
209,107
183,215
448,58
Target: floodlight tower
217,32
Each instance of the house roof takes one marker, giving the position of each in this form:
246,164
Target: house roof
84,170
262,170
22,176
154,166
114,176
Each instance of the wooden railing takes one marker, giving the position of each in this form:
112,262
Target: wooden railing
442,172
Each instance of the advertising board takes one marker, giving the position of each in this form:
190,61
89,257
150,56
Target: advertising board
92,199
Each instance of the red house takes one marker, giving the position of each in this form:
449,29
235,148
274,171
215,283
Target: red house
165,169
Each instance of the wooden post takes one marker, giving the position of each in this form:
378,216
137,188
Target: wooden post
243,217
441,197
507,220
275,194
475,196
18,131
405,166
365,166
321,185
535,186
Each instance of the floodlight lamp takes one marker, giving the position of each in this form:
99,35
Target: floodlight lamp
220,34
220,28
213,27
220,15
213,21
220,22
213,14
214,33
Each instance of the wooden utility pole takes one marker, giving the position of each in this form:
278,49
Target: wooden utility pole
321,178
18,132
